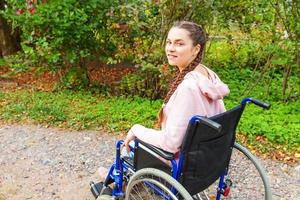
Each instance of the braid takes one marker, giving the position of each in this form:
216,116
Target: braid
179,78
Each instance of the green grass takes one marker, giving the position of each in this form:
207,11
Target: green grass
77,110
82,110
85,111
281,124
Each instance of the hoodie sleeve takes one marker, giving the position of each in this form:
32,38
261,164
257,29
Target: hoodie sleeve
186,104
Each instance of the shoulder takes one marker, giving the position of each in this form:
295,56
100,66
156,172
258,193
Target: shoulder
211,77
193,79
190,81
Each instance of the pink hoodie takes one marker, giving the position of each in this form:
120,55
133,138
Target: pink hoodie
195,95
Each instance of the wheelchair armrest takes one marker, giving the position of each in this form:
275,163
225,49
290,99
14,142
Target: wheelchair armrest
164,154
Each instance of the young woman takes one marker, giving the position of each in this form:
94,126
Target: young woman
196,90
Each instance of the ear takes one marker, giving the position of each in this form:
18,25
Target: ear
196,49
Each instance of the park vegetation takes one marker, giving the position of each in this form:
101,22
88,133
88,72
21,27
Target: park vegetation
253,45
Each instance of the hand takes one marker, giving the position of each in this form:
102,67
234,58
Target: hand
126,145
130,136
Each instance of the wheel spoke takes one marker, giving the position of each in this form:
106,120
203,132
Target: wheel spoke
247,177
153,184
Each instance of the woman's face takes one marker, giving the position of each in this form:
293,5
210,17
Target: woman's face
180,50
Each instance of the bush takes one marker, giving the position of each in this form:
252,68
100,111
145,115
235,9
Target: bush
67,31
76,78
236,53
148,81
59,31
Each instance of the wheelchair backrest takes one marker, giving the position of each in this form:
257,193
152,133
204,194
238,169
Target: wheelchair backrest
206,152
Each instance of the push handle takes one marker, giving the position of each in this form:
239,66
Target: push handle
261,103
210,123
256,102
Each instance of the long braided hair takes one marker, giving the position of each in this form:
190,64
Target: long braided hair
198,36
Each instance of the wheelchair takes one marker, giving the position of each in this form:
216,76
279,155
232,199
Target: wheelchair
210,165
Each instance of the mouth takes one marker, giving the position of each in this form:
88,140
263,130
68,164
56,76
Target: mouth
170,56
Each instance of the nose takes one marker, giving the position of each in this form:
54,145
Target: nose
170,47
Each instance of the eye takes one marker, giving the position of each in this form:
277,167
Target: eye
179,43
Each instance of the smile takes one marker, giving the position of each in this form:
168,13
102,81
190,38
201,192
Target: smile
171,56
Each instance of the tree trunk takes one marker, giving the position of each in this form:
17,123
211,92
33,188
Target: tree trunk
9,40
285,80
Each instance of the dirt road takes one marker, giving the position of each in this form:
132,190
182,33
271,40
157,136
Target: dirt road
46,163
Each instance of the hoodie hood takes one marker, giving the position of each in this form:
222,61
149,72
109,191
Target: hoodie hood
211,87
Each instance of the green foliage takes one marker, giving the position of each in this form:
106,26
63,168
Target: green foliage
260,34
243,53
19,62
243,65
148,81
248,82
79,110
2,62
131,32
279,124
75,78
60,31
71,30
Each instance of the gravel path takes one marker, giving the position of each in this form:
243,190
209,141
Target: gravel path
47,163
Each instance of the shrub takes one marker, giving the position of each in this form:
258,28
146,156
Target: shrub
148,81
59,31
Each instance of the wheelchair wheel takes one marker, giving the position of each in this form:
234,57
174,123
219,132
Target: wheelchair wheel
249,180
246,179
155,184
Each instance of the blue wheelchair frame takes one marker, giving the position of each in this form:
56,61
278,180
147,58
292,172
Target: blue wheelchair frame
116,172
